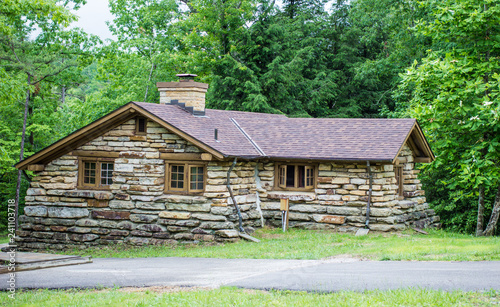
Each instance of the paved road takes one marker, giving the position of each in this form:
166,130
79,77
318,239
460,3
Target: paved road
308,275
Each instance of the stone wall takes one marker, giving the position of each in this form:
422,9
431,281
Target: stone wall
135,209
340,200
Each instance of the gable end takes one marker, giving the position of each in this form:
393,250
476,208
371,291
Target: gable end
99,127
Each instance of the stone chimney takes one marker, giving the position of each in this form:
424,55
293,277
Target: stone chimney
186,93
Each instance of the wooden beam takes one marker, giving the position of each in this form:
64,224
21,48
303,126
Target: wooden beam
181,156
206,156
423,159
104,154
36,167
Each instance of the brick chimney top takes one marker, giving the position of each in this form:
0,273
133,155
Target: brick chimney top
186,93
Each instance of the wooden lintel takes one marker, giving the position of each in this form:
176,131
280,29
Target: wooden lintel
423,160
36,167
104,154
181,156
206,156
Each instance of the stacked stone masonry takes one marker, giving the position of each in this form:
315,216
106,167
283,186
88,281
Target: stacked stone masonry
135,210
340,199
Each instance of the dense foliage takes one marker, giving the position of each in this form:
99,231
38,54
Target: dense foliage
454,92
433,60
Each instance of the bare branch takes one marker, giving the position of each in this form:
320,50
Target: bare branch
53,74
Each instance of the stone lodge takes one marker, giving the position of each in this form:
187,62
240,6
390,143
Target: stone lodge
157,174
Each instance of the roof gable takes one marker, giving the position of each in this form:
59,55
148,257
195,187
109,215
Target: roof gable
99,127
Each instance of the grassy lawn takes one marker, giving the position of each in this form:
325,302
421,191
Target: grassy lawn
158,296
3,237
307,244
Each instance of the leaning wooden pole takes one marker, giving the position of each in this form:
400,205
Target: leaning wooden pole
21,153
228,184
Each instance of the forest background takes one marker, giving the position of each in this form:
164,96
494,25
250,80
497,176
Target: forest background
434,60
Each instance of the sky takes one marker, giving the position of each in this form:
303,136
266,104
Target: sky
95,13
93,17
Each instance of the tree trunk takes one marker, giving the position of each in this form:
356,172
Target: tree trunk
495,214
31,137
21,154
63,95
480,212
149,80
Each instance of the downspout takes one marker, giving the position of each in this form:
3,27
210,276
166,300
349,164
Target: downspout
370,182
228,184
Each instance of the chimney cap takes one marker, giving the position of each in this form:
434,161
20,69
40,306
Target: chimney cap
186,77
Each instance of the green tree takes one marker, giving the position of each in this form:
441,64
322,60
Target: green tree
38,61
303,61
454,92
144,31
280,64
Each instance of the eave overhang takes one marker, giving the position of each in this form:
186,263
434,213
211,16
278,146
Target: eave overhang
418,144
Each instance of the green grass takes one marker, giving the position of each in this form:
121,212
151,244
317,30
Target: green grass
236,297
3,237
307,244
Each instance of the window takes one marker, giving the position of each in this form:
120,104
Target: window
398,170
295,177
95,172
140,125
185,177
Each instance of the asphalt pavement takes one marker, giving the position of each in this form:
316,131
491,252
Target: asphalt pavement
304,275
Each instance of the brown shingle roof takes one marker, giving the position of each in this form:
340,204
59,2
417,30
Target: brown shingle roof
258,135
295,138
231,142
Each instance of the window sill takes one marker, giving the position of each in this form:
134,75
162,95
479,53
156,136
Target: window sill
102,188
292,195
184,193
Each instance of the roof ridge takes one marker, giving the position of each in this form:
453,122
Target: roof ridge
261,152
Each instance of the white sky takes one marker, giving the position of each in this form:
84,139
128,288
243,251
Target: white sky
95,13
93,17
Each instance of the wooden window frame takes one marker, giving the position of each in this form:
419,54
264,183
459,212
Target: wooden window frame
280,176
186,190
98,161
398,171
137,119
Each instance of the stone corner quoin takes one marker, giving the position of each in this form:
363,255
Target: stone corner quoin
135,209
